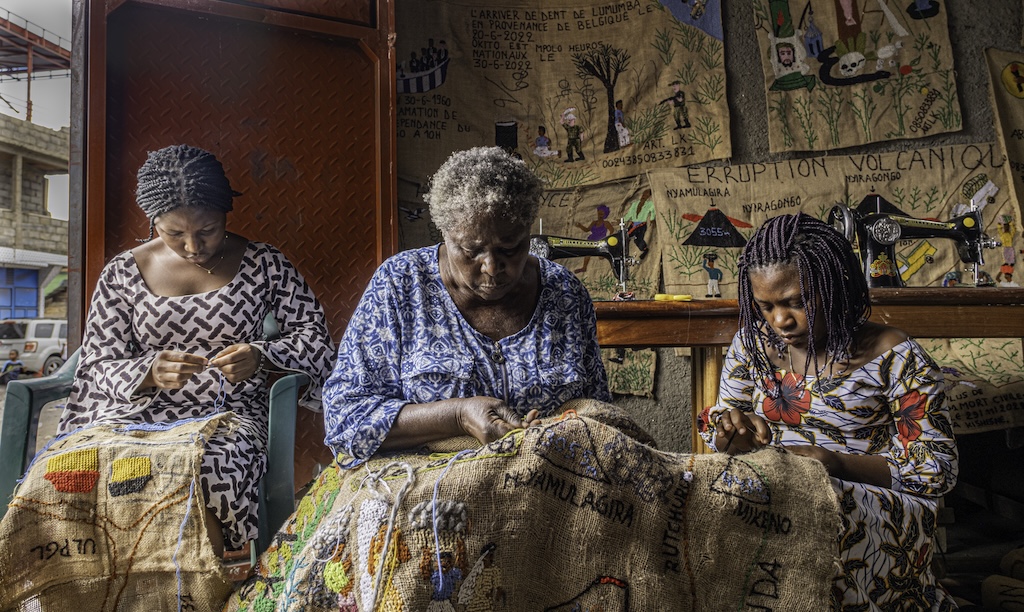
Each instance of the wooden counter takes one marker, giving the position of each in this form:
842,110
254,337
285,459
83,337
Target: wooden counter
707,325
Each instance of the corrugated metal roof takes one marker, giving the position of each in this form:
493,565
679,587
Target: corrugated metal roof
32,259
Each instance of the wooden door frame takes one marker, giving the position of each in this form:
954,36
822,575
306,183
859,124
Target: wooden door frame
86,219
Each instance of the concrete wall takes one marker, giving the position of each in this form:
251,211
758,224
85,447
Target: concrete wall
41,151
34,141
974,26
28,153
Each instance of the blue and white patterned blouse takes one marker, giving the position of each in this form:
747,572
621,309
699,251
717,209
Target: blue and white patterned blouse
407,343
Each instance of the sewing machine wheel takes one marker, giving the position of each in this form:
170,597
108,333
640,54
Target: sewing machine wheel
539,247
842,220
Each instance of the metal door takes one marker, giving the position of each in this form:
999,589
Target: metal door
298,106
295,97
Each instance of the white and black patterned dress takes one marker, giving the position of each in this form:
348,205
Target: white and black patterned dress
127,325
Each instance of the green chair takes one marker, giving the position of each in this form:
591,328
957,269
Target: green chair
26,398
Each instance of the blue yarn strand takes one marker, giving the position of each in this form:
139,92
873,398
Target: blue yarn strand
433,512
181,536
221,393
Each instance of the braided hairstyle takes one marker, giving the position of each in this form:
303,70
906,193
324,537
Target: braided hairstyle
832,285
181,175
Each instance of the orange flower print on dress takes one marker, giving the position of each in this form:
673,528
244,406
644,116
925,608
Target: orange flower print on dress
792,402
704,419
908,417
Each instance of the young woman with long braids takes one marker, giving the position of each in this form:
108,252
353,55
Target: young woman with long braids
809,373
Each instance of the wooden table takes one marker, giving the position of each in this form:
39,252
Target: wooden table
705,326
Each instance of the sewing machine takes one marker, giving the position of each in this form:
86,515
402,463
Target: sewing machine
614,248
878,230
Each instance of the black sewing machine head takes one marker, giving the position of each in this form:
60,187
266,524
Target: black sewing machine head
614,248
877,226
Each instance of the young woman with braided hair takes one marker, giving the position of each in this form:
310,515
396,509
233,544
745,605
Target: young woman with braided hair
807,372
175,331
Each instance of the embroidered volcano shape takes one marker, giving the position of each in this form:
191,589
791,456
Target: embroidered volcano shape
129,475
74,471
568,445
715,229
740,480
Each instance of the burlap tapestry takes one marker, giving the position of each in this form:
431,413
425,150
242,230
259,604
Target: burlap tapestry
1006,79
110,519
984,382
584,90
840,73
579,513
710,212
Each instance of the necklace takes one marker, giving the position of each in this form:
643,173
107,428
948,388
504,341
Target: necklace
214,266
211,268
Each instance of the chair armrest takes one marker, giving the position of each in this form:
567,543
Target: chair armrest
25,400
277,487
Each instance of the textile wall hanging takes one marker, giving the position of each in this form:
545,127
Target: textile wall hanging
706,214
584,90
594,213
1006,76
984,384
840,73
110,518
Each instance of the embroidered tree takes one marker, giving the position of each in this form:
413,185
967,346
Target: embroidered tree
605,63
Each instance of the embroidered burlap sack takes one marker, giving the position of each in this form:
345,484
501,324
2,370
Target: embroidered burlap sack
111,519
578,513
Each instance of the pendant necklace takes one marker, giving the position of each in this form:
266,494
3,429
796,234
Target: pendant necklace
214,266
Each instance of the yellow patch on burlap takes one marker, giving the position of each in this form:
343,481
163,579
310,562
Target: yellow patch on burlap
117,545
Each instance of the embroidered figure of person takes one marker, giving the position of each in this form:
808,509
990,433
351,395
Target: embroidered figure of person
620,124
574,133
1007,230
714,274
678,100
599,229
639,219
542,144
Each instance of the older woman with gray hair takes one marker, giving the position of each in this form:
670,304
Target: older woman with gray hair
473,336
175,332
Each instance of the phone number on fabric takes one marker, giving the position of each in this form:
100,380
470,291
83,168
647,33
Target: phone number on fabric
647,158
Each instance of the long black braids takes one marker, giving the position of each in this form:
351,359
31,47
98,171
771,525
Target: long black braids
182,175
831,284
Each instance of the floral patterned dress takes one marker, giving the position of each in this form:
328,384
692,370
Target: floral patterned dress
893,406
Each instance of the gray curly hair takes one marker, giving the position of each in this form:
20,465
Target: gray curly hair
483,182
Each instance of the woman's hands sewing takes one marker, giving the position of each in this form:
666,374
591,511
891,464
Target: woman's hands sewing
172,369
485,418
238,362
741,432
489,418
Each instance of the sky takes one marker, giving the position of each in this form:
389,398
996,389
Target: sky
51,98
